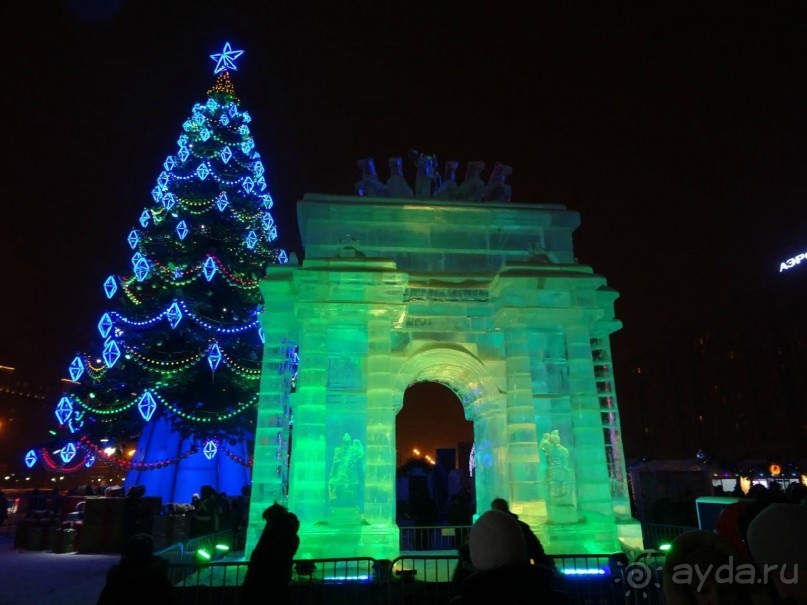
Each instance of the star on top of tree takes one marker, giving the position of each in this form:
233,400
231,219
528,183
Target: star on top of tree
226,58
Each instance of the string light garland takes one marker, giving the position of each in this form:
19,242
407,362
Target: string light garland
129,465
174,314
236,458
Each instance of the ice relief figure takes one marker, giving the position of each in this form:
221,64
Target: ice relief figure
343,483
559,479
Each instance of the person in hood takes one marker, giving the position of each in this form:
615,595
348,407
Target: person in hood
139,578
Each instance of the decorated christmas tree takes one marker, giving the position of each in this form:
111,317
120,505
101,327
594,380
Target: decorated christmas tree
176,373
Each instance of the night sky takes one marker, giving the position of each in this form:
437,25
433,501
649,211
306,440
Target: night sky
680,137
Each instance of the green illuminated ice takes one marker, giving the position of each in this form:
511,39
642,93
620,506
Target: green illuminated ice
485,298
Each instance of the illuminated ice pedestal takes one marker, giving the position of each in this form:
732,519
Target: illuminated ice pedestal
485,298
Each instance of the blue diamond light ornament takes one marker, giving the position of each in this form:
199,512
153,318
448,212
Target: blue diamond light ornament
214,357
211,104
248,184
169,163
209,268
173,315
145,217
182,230
162,180
30,458
187,125
90,460
184,154
202,171
111,353
224,119
246,117
261,182
133,239
157,193
251,240
182,141
204,134
268,202
169,200
141,269
210,450
222,202
261,335
104,325
258,168
226,154
267,221
110,287
243,130
146,406
282,258
68,452
248,145
76,368
198,118
64,410
271,235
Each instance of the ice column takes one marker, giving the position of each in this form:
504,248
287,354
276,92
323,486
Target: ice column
379,491
269,471
592,483
521,437
308,496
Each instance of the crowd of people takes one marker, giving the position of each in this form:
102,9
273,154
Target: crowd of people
753,557
213,511
503,561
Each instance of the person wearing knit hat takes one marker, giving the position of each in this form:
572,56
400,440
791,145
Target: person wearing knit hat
535,550
778,537
497,541
502,571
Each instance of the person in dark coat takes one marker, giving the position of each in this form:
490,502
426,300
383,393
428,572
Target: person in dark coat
269,571
206,513
139,578
503,574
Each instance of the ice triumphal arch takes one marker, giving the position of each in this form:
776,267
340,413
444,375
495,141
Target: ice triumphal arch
486,298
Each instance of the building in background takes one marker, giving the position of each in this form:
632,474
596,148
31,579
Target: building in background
734,385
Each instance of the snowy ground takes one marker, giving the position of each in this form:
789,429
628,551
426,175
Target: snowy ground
45,578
